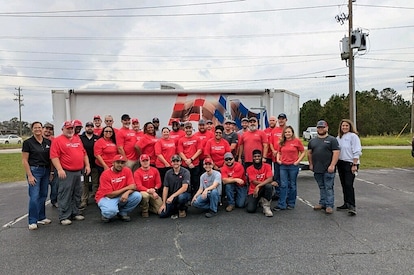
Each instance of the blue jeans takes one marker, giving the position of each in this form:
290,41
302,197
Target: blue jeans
211,202
287,187
38,194
326,188
241,194
179,203
110,207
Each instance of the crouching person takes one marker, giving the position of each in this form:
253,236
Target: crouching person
260,178
208,194
175,191
116,195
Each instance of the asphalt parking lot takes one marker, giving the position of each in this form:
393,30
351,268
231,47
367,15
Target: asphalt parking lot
379,240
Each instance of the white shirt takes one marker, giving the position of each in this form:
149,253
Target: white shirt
350,147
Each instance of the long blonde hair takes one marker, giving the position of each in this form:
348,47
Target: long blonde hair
352,128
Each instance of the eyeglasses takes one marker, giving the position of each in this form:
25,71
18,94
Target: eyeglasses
108,120
176,160
228,159
144,159
108,131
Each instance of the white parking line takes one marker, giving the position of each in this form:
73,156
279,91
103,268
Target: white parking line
13,222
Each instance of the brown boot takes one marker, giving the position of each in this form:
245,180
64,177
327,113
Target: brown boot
145,214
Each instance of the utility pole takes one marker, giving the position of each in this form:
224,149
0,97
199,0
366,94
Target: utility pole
19,99
352,100
412,106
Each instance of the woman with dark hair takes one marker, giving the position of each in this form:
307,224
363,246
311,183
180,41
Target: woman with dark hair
290,154
348,162
37,164
164,149
216,147
146,145
105,149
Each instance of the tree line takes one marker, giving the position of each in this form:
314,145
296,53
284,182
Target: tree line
382,112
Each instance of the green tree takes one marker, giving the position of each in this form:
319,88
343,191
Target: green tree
310,113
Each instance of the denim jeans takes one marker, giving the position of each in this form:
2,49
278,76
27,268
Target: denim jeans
326,188
276,177
210,202
179,203
38,193
241,194
287,187
112,206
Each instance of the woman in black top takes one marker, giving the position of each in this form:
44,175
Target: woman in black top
37,164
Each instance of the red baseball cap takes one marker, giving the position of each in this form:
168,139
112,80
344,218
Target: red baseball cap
144,157
119,158
67,124
134,120
77,122
96,117
208,161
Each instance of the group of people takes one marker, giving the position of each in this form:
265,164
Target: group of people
165,170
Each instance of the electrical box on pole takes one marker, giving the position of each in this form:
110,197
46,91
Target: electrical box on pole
344,48
355,39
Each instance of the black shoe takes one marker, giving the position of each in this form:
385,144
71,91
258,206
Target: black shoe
211,214
105,220
352,211
342,207
277,208
124,218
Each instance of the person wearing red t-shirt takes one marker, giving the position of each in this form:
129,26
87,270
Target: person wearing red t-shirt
261,184
274,145
97,125
69,158
189,149
165,148
268,131
216,147
203,135
125,140
291,152
148,183
233,177
146,144
254,139
105,149
176,133
117,193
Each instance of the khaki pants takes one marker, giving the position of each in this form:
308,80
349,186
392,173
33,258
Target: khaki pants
91,179
148,203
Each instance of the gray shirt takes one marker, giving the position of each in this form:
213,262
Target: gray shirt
207,180
322,152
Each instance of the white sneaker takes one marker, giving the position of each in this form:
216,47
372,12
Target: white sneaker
79,217
65,222
32,226
44,221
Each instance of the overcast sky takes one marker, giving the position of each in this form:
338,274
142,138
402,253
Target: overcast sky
204,44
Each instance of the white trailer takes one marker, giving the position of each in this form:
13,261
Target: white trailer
186,105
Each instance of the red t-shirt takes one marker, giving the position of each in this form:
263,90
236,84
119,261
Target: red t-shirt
236,172
165,147
126,138
97,131
290,150
111,181
269,132
70,152
106,149
189,146
146,179
274,139
260,175
176,135
252,141
147,144
216,150
203,137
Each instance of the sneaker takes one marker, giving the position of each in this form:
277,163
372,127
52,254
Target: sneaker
33,226
105,220
124,218
277,208
318,207
229,207
173,217
342,207
328,210
44,221
290,207
182,214
65,222
211,214
145,214
352,211
79,217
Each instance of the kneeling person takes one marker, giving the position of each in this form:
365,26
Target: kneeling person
234,180
116,194
208,195
148,182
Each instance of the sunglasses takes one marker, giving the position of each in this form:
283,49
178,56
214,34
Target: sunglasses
176,160
228,159
107,131
108,120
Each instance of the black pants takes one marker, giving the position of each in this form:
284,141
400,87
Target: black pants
265,192
347,181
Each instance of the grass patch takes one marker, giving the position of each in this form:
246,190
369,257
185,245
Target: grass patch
386,158
11,168
403,140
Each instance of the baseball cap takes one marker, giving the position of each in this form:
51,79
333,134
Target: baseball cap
256,152
67,124
209,121
77,123
175,157
48,125
208,161
119,158
201,122
144,157
155,119
245,119
282,115
228,155
125,117
89,123
322,123
253,118
134,120
188,124
96,117
175,120
229,121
